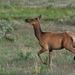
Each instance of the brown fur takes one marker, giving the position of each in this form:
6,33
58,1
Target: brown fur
51,41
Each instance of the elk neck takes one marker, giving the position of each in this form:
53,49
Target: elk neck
38,32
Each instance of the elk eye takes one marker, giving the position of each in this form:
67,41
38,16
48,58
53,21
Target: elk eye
32,20
35,18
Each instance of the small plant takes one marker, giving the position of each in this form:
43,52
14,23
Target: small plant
69,5
6,29
25,57
49,6
10,37
28,56
10,30
42,69
51,1
21,56
6,6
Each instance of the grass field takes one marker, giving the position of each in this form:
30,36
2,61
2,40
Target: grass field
19,57
48,14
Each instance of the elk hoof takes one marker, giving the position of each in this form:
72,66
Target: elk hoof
45,63
74,58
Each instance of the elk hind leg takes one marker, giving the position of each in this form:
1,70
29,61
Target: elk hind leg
50,58
71,49
74,45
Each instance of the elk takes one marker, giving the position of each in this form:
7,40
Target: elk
51,41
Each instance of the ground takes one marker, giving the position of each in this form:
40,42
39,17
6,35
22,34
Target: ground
19,56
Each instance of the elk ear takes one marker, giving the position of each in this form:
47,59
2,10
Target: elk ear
39,17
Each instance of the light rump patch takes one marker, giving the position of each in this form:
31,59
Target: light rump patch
71,35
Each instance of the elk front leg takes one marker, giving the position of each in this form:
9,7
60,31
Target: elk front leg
41,51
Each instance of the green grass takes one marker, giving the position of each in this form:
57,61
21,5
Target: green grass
48,14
